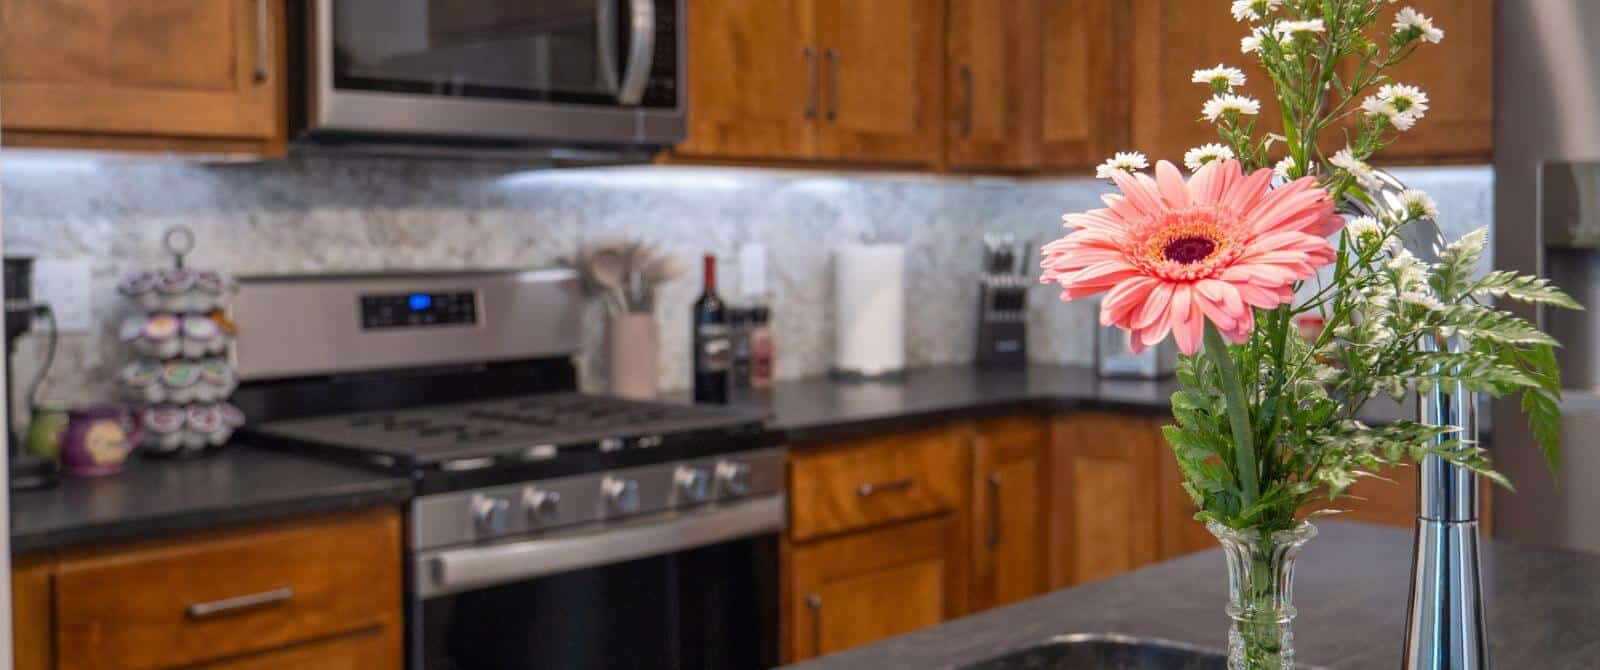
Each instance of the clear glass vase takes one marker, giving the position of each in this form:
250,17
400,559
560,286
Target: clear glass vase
1260,591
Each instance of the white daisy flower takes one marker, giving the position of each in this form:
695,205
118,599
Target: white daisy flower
1365,230
1229,105
1418,205
1126,161
1282,168
1363,173
1406,98
1253,10
1290,29
1220,77
1251,43
1403,105
1411,24
1196,158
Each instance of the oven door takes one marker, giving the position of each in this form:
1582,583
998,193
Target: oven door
604,71
696,590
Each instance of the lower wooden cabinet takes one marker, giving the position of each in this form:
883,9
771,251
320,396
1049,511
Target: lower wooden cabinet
1104,506
321,592
847,591
1009,562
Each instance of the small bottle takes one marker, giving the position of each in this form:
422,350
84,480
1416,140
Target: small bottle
739,331
713,348
762,348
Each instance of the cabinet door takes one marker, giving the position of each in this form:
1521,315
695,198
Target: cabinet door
155,74
883,80
854,589
991,53
754,79
31,613
1458,76
1104,513
1079,105
1008,522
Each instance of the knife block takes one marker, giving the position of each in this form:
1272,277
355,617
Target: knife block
1002,321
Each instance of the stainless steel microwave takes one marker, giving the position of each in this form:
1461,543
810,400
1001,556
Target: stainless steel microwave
583,75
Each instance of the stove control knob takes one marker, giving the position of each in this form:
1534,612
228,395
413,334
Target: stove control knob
542,507
733,477
491,514
694,484
621,495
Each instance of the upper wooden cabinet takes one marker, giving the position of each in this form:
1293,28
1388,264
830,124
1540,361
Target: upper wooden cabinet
1175,37
1458,76
754,78
832,80
1080,115
152,75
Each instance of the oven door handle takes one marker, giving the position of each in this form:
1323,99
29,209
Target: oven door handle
641,51
455,570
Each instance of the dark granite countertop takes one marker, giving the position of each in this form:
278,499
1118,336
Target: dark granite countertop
826,408
151,497
1351,589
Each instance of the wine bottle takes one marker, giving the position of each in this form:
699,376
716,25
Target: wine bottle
713,346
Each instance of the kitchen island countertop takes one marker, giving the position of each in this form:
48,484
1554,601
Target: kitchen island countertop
1351,587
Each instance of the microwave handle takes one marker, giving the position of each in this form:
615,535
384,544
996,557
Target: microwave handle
641,51
605,27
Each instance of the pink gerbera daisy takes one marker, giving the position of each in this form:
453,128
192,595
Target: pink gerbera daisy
1170,255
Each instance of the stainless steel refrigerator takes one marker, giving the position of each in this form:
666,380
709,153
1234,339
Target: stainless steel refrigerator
1547,211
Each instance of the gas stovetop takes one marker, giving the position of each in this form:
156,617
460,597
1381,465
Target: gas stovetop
512,431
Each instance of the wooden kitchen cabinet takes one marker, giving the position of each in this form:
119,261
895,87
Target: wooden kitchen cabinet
1104,513
860,484
1177,37
754,80
1458,76
1080,116
992,61
829,80
1008,520
848,591
167,76
323,592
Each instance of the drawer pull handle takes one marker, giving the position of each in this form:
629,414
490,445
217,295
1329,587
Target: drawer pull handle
213,608
867,490
814,603
263,44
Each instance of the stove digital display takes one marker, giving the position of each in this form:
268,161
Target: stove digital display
408,310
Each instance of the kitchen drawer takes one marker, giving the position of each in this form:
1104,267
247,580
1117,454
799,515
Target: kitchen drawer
158,605
366,650
863,483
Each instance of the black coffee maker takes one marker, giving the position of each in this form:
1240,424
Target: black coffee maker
27,470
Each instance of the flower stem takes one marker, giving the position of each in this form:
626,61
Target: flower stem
1238,417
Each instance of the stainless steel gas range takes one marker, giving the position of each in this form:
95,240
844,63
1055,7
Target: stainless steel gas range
551,529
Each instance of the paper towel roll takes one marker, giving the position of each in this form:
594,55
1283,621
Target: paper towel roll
869,309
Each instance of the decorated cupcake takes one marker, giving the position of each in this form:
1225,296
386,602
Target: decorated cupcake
200,335
163,428
160,337
140,289
142,378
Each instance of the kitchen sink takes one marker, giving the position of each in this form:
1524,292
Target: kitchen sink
1098,651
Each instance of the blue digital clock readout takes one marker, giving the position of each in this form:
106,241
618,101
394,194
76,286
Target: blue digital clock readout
420,302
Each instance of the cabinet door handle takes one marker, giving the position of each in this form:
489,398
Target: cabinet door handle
966,100
263,43
812,66
833,83
994,510
213,608
868,489
814,603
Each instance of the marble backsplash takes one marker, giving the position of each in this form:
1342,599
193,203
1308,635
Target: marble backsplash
327,214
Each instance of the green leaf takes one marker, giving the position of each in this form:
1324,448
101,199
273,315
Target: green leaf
1526,289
